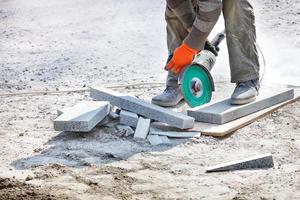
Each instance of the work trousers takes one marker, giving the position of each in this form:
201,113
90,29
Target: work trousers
240,36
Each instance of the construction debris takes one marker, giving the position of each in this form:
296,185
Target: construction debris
256,162
223,112
173,134
143,108
128,131
128,118
142,128
83,117
113,115
157,140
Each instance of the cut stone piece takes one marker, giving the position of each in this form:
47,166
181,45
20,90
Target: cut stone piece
143,108
223,112
256,162
114,115
128,118
142,128
60,111
157,140
83,117
177,134
127,129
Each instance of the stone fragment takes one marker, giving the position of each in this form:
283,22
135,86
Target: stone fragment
256,162
128,131
143,108
157,140
83,117
128,118
173,134
142,128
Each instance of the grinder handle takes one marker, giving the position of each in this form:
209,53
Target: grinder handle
218,39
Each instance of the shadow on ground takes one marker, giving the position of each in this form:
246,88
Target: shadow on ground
101,146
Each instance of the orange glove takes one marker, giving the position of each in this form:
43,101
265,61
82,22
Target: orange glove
182,57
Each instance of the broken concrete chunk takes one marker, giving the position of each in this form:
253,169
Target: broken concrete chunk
262,161
128,118
223,112
83,117
127,129
114,115
142,128
173,134
143,108
157,140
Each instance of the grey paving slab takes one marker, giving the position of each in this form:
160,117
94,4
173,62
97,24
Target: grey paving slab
223,112
113,115
157,140
256,162
83,117
128,118
173,134
143,108
142,128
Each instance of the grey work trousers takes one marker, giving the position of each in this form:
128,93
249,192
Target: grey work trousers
240,36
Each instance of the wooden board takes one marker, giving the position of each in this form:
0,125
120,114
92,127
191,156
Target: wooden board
228,128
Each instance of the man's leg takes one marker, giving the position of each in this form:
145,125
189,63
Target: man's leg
243,55
176,33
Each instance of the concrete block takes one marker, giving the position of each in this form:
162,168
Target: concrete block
256,162
127,129
128,118
142,128
83,117
143,108
157,140
223,112
173,134
113,115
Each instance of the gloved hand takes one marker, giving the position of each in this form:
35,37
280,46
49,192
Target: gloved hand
182,57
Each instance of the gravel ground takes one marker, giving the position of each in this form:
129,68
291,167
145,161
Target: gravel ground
55,45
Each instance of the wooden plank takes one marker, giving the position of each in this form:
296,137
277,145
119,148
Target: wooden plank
225,129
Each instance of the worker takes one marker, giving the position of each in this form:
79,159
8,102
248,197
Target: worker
189,23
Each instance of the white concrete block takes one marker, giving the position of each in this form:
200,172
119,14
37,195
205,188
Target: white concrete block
83,117
142,128
128,118
157,140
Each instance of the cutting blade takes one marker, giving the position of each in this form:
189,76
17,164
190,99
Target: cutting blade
196,86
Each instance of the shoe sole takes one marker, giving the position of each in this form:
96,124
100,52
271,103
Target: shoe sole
165,104
242,102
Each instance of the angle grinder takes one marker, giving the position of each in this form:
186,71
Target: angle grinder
195,80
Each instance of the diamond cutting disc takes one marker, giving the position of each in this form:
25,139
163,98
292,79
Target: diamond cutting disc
196,86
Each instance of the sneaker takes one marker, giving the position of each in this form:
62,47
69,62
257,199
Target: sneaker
171,96
245,92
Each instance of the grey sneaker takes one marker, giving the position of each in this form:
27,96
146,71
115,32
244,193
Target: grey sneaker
245,92
171,96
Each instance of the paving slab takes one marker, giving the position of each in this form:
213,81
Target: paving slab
83,117
256,162
173,134
113,115
223,112
142,128
157,140
128,118
143,108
